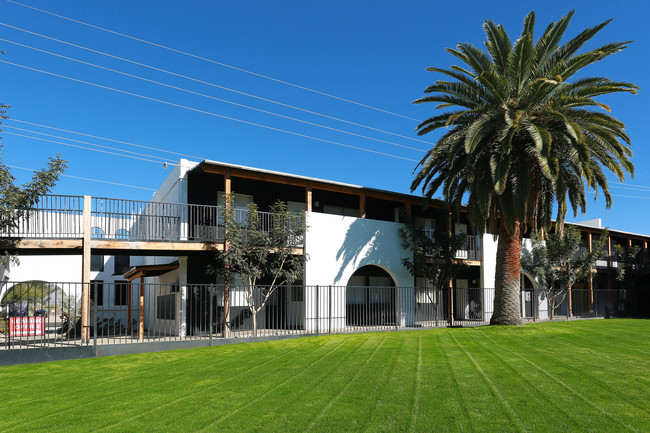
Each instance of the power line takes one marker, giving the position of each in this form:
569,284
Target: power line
88,179
85,142
215,62
201,82
213,97
161,160
12,119
209,113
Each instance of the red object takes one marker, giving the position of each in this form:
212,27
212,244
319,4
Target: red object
26,326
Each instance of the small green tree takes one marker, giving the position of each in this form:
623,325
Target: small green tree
259,251
559,260
433,253
16,201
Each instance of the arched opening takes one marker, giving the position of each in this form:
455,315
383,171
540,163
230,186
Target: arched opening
370,297
527,296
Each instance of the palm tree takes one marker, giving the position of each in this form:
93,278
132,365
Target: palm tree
521,137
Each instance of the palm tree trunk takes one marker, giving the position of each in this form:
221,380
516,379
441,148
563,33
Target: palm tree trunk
507,296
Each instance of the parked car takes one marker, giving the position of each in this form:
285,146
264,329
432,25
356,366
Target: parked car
40,313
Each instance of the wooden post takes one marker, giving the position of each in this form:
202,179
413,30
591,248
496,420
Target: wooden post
85,271
141,328
450,283
308,198
609,260
362,205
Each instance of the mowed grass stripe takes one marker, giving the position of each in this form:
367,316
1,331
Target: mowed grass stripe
554,372
275,393
96,374
443,380
593,369
418,388
533,390
344,389
170,398
493,388
144,371
277,410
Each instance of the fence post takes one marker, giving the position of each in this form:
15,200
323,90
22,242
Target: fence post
210,300
398,312
317,310
95,321
330,309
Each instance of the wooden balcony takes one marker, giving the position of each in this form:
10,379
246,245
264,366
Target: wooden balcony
58,223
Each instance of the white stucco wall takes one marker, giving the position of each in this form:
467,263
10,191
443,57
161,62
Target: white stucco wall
337,246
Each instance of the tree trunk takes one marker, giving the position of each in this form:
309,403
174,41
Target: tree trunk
254,324
225,328
507,294
569,311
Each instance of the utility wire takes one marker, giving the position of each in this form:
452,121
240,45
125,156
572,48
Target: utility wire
88,179
85,142
202,82
12,119
89,148
209,113
212,97
215,62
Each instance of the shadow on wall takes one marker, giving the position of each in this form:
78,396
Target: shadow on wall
369,242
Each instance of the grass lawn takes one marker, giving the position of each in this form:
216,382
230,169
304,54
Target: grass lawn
578,376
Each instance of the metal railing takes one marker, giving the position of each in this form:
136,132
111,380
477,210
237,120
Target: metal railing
39,314
59,216
53,216
470,251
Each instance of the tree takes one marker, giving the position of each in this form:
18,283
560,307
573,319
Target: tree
16,201
433,253
559,260
522,137
259,251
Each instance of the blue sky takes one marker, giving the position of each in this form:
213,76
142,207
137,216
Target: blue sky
374,53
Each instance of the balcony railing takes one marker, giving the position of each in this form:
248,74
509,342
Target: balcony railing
470,251
58,216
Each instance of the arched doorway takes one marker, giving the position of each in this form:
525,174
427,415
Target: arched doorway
370,298
527,297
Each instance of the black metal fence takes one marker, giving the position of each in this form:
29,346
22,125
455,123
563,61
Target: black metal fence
43,314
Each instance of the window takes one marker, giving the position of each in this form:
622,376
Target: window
121,234
97,292
97,263
121,293
122,264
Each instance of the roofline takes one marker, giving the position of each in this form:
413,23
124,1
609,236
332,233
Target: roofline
309,179
198,167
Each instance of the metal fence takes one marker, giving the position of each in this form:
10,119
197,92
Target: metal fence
40,314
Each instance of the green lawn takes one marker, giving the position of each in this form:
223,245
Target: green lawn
553,377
